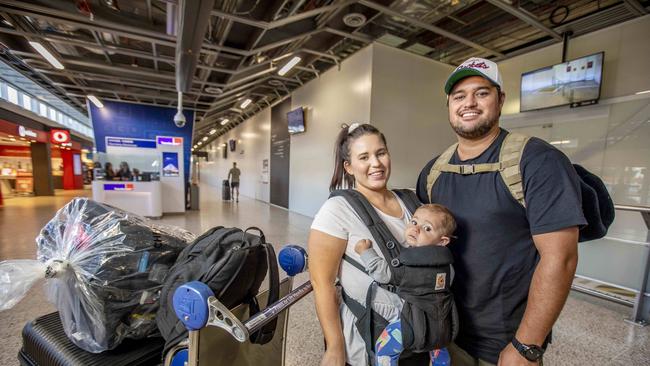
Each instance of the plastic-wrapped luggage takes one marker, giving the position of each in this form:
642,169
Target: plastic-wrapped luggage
104,269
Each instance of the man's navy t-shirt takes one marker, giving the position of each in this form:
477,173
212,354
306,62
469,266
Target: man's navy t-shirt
494,255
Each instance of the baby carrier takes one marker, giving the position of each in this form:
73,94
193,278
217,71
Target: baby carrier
429,316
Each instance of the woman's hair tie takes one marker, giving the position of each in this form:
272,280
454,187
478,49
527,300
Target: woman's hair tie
352,127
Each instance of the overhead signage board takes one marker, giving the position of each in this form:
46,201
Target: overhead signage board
130,142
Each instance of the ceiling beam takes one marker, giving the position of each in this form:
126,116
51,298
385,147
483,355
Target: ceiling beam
134,102
526,17
636,7
429,27
127,93
282,22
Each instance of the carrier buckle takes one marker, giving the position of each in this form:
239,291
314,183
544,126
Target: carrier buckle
467,169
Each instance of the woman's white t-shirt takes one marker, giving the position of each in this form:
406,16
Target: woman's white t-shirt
337,218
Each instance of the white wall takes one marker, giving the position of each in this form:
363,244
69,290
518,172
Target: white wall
253,146
625,69
338,96
409,106
610,139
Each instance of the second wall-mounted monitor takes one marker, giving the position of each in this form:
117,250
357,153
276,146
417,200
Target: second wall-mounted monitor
233,144
574,82
296,121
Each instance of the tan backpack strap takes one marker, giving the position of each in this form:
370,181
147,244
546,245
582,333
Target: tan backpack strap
435,171
465,169
510,155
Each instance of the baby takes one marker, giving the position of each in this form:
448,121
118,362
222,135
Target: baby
432,225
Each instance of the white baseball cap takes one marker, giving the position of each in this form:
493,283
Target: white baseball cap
475,66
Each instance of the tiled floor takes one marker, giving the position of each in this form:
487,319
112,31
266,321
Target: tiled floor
589,331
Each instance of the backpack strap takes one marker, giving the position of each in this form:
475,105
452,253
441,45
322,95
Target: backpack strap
510,155
265,334
436,169
409,198
508,167
385,240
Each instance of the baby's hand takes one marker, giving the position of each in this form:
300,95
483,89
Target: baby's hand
362,245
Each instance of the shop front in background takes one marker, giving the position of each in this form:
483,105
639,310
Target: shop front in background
32,163
16,173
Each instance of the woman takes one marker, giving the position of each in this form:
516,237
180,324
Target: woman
125,172
363,163
109,174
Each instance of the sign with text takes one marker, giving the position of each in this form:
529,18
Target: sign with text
26,132
130,142
119,186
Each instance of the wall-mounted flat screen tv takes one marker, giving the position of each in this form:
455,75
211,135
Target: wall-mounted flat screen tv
576,82
296,121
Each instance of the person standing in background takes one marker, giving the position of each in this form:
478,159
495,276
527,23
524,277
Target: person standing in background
233,176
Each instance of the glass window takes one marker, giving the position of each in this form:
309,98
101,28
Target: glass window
12,94
51,113
42,109
27,102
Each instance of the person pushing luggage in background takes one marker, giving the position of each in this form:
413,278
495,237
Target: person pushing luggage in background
233,175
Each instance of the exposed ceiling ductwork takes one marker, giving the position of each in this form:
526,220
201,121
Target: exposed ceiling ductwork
223,52
194,18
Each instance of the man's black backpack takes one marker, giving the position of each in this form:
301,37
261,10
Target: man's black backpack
426,325
233,263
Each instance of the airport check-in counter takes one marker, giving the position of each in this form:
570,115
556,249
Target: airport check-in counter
141,198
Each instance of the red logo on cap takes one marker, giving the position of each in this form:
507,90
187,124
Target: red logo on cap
476,65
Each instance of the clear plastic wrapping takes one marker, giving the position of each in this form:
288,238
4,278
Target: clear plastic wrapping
104,269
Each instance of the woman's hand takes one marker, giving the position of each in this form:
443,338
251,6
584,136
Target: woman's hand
362,245
333,357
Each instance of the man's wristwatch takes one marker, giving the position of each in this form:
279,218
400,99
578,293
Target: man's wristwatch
531,352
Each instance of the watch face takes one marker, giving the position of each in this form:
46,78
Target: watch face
534,353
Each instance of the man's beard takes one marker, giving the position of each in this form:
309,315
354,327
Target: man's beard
474,132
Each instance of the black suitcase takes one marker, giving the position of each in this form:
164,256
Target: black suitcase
45,344
225,190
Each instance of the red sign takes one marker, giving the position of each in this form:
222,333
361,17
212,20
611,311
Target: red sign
60,136
16,151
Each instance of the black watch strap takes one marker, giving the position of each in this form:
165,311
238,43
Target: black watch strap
531,352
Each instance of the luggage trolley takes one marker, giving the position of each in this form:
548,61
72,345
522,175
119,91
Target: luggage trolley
220,336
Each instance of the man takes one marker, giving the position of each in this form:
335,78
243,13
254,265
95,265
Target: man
233,176
514,260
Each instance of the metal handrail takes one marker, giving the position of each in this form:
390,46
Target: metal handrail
632,208
639,301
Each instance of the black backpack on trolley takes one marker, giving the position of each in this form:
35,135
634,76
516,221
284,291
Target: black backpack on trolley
233,263
428,322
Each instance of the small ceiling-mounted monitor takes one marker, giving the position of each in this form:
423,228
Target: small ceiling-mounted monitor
576,82
296,121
